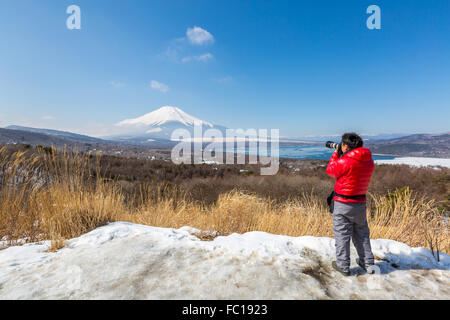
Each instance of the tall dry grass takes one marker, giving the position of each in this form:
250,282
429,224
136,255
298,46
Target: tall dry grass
57,197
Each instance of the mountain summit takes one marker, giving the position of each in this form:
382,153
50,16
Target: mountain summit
159,125
162,116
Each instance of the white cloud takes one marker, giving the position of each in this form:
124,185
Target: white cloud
48,118
180,49
199,36
171,54
186,59
227,79
117,84
155,85
202,58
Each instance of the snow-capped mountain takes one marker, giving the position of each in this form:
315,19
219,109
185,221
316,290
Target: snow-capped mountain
162,116
160,124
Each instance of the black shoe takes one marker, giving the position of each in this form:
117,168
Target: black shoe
361,264
335,267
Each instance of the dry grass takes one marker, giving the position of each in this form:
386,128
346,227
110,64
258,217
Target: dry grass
415,221
55,197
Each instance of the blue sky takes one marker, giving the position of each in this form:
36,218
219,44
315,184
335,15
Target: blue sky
305,67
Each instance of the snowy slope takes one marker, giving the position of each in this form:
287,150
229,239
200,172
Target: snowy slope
128,261
163,115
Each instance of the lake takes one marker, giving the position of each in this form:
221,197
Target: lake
306,152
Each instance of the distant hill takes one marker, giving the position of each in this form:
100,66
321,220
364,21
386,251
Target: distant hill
55,133
45,137
416,145
48,137
337,137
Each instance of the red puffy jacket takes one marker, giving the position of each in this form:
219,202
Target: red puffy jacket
352,172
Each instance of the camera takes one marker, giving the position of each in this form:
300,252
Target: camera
335,146
332,145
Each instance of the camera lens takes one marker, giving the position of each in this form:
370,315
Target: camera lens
330,144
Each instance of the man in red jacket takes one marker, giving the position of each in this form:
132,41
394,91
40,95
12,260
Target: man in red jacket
352,171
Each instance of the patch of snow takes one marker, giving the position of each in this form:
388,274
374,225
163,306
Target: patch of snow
154,130
129,261
417,162
210,162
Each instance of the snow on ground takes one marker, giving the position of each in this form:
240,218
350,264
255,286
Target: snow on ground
129,261
417,162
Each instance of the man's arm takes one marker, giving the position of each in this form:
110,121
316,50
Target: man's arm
336,167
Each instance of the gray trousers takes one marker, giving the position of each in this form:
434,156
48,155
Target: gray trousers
350,223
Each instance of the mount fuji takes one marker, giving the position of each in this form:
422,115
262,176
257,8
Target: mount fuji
159,125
